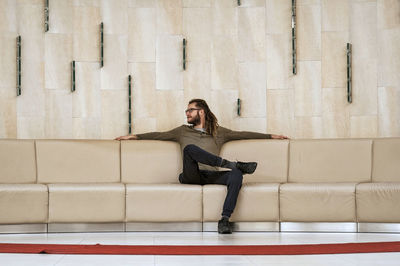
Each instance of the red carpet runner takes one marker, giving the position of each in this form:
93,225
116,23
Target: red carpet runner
371,247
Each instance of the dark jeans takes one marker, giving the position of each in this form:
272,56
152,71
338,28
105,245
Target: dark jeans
192,155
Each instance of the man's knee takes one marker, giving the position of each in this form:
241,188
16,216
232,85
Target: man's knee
189,148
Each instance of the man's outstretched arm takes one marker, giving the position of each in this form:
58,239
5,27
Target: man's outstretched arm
172,135
238,135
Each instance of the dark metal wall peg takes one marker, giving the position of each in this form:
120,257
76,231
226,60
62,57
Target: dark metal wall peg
239,107
238,1
294,55
73,76
46,15
130,104
184,53
18,65
101,44
349,78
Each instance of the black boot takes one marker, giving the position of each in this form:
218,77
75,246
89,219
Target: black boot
246,168
224,226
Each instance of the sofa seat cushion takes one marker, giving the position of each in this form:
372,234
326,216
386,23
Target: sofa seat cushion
86,203
378,202
23,203
317,202
163,203
257,202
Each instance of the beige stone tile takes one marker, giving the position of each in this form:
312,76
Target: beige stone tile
336,126
86,100
253,89
86,128
30,2
364,126
251,34
307,2
169,3
334,102
58,57
32,127
224,69
334,59
169,66
61,14
114,113
144,125
142,3
308,127
143,90
278,16
86,37
307,86
30,19
363,29
250,124
225,3
280,112
58,123
279,61
198,48
8,113
335,15
115,69
169,20
8,52
197,81
389,112
224,19
142,34
8,16
31,102
197,22
252,3
196,3
224,106
389,57
170,109
308,32
114,15
388,14
95,3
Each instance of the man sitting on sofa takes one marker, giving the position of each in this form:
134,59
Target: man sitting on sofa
201,143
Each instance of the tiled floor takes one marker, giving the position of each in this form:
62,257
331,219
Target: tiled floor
198,239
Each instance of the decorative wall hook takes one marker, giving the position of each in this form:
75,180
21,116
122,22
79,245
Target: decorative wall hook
349,79
239,107
184,53
18,65
101,44
294,55
46,15
130,104
238,2
73,76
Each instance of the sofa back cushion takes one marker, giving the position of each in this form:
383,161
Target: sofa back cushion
78,161
386,160
271,156
150,161
330,160
17,161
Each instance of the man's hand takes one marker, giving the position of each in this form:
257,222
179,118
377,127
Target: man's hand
279,137
127,137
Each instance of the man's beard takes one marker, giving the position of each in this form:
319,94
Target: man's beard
195,120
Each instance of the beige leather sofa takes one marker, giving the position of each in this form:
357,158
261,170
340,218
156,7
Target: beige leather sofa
343,185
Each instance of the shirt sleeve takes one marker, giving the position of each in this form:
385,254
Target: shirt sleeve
229,135
172,135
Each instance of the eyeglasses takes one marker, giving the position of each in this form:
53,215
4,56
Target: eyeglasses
191,110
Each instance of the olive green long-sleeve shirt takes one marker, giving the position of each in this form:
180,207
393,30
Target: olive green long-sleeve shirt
185,135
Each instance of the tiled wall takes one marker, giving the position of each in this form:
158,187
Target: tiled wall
233,52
